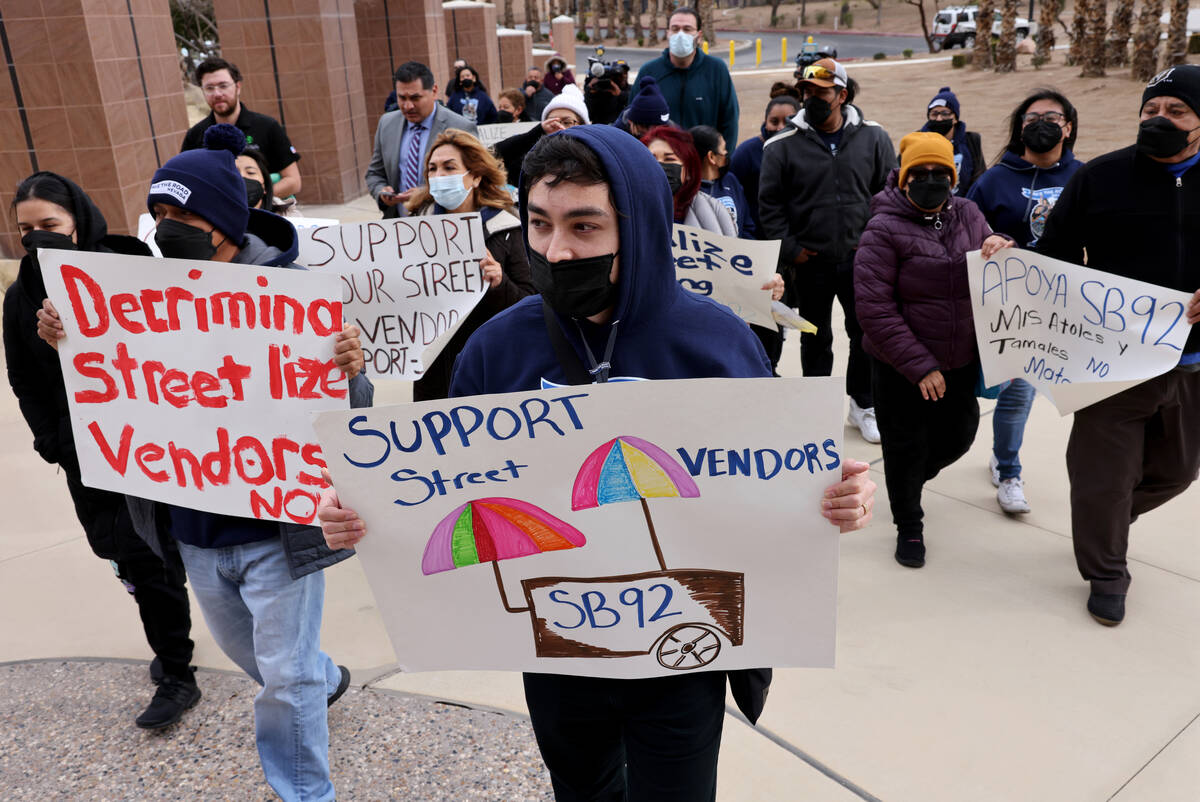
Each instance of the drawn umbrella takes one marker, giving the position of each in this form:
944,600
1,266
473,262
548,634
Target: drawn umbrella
494,529
628,469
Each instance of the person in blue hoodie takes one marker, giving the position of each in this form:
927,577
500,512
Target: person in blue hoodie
746,162
597,213
1016,196
717,181
942,116
697,87
258,582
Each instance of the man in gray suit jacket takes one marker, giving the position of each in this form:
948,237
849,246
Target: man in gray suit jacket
403,137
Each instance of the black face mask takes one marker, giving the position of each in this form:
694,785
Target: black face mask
930,194
1158,137
1041,136
534,85
180,241
674,176
942,127
47,239
816,110
575,287
505,117
467,85
254,192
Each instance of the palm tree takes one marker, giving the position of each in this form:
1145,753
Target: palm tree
652,7
1176,52
1145,41
1048,14
982,59
507,13
1078,33
1095,14
623,30
705,9
1118,34
533,20
1006,49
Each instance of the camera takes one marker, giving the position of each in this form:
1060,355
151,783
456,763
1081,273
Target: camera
811,53
615,72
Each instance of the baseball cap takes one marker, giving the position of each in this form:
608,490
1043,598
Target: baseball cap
825,72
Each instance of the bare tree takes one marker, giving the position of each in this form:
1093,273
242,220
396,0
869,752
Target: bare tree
983,35
1095,14
1145,41
1117,48
920,6
1006,48
1045,35
1176,52
196,32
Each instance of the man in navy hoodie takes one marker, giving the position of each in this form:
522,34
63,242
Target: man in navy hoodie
598,219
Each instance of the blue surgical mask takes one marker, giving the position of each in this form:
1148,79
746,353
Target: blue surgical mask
449,190
682,44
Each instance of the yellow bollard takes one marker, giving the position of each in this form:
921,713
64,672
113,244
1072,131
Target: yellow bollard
731,54
704,46
758,52
784,57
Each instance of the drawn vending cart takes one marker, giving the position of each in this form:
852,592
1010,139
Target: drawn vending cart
681,616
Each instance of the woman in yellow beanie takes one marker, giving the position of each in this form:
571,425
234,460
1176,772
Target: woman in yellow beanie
914,305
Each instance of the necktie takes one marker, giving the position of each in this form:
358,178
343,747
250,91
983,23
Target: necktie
412,160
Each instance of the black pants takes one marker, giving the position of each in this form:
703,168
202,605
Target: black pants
618,739
817,283
772,343
159,587
1128,454
921,437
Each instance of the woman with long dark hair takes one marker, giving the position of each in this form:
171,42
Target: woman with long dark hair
471,98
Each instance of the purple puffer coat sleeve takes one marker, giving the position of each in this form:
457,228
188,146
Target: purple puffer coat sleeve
910,283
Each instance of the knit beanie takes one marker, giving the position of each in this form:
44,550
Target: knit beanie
946,98
1182,82
649,107
206,182
569,98
926,147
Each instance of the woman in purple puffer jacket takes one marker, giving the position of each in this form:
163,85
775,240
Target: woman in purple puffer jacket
914,305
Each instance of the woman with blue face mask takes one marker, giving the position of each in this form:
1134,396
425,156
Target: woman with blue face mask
463,177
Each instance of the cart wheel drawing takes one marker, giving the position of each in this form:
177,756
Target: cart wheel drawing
688,646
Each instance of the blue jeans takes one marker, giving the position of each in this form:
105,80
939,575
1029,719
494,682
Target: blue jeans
1008,425
270,625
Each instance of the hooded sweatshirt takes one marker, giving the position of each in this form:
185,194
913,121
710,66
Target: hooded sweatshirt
1016,197
910,283
700,94
662,330
270,241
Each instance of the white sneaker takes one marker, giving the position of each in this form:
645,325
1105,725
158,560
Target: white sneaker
1011,495
994,468
864,419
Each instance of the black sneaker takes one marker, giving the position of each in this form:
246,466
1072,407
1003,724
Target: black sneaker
910,551
1107,608
343,684
173,698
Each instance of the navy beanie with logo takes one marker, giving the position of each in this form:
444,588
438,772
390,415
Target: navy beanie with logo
946,98
1182,81
649,107
206,182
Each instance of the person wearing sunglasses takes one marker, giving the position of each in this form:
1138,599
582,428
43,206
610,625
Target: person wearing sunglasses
914,304
942,116
1016,196
818,177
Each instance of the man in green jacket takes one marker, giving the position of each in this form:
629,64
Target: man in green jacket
697,87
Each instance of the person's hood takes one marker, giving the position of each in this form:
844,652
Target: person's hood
1013,161
556,57
271,241
90,226
646,278
853,119
891,200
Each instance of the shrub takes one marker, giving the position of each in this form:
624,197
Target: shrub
958,61
908,52
1038,61
847,19
1194,43
879,56
641,42
821,17
581,35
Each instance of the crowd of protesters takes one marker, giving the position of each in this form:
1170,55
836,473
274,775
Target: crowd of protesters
886,234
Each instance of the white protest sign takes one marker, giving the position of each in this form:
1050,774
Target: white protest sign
407,284
193,382
147,227
1077,334
489,135
597,530
729,270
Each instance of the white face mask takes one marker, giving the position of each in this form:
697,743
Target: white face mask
450,191
682,44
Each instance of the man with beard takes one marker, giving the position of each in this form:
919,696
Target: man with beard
221,83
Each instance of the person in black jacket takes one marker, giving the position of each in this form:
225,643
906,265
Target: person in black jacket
818,177
942,117
1135,212
53,212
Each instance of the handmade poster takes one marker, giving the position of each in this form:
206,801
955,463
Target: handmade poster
1077,334
489,135
147,227
632,529
729,270
407,284
193,382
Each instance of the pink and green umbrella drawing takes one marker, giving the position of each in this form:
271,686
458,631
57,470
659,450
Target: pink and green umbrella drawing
494,529
631,469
